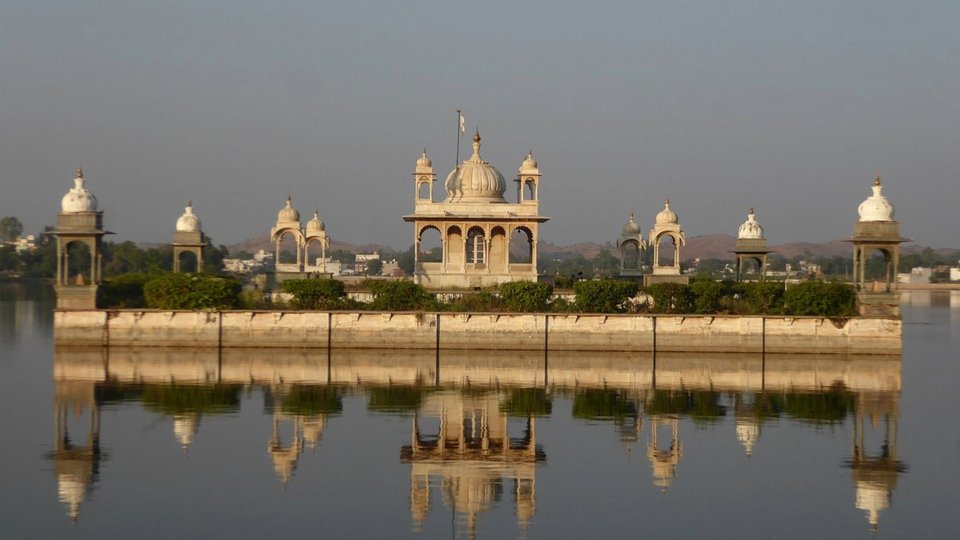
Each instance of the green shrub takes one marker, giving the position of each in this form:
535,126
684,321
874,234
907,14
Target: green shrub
526,402
399,296
315,293
124,291
481,301
820,298
525,296
707,295
671,298
604,296
764,297
191,291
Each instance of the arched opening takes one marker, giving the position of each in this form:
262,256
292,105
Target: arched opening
454,246
630,255
423,191
498,249
529,190
521,246
187,261
429,245
287,248
78,263
876,268
667,247
314,252
476,246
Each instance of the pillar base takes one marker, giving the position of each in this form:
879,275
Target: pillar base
879,304
77,297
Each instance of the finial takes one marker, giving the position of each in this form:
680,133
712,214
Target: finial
316,212
289,199
667,203
424,151
750,211
530,153
877,181
631,215
79,172
476,135
189,203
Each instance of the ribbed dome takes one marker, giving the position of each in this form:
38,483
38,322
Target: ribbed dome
288,212
632,227
475,180
315,225
78,199
424,160
750,227
188,222
876,207
666,216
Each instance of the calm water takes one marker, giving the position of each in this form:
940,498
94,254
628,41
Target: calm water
193,443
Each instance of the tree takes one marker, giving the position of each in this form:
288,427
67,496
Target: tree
374,267
10,229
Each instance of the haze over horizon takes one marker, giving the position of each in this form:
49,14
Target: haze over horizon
790,108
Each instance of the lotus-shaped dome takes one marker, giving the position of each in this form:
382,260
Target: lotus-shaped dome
632,227
288,213
78,199
666,216
750,227
188,222
475,180
876,207
315,225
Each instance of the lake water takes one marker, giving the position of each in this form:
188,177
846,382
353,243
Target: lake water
409,444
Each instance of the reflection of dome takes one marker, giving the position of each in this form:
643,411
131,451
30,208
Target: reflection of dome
188,222
872,497
876,207
315,225
288,212
631,227
750,227
184,427
423,160
475,180
79,198
666,216
72,491
748,431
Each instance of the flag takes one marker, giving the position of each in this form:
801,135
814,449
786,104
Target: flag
463,123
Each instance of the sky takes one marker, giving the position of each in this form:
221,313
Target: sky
789,107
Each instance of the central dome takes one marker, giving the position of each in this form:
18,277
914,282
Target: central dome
631,228
475,180
288,213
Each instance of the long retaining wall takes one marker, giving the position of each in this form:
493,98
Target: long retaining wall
478,331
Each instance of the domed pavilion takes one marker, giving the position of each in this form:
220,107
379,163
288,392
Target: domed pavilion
188,238
667,227
80,229
631,246
484,239
751,246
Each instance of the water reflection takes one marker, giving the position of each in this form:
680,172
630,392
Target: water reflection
473,419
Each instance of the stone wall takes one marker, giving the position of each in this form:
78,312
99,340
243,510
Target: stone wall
478,331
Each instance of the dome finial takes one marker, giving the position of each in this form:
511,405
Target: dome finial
667,202
190,203
289,199
877,181
79,172
476,135
750,211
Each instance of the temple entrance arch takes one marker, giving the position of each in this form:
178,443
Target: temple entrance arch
187,262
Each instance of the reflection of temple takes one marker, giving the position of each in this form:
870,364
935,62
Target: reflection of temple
875,476
75,465
664,461
306,430
471,455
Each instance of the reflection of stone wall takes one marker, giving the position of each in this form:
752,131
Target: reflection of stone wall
479,331
491,369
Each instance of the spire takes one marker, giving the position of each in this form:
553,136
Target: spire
476,145
877,181
79,172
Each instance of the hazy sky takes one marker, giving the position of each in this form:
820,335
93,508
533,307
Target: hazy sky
791,107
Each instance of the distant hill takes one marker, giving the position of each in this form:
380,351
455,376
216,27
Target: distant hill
255,244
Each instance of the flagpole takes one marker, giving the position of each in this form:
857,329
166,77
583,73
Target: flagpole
459,116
